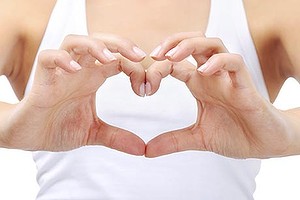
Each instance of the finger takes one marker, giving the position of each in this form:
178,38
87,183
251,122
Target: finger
183,70
169,43
134,70
160,69
136,73
174,141
51,59
125,47
232,63
78,45
118,139
155,73
101,47
200,48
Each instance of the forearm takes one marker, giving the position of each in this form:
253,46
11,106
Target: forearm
292,118
5,113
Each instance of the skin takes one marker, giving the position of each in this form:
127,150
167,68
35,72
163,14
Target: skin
275,37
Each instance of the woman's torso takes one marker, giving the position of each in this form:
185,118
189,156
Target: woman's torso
101,173
97,172
263,27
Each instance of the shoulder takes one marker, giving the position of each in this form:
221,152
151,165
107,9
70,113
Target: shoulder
19,11
276,23
20,19
23,24
287,23
26,14
282,15
274,26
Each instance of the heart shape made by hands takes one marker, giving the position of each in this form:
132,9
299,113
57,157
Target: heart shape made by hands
62,102
170,107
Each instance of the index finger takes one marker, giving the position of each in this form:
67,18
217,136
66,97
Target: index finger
125,47
160,69
101,47
201,48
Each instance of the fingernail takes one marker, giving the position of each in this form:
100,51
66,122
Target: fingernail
139,52
155,52
75,65
203,67
109,55
142,90
148,89
97,62
171,52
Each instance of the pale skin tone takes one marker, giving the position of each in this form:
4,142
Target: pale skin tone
243,125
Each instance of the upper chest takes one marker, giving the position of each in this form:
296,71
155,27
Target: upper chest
146,23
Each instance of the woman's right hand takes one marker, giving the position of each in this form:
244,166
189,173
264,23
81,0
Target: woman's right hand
59,113
233,119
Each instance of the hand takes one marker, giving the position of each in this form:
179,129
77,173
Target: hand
233,118
59,113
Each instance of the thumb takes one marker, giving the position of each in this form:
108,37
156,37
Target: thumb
174,141
116,138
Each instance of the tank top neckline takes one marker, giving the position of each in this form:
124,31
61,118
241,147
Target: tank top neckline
70,16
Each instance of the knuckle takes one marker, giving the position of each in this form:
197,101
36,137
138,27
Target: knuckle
169,40
217,44
119,40
237,57
60,57
93,46
188,44
200,33
217,41
62,54
45,56
219,59
70,37
96,43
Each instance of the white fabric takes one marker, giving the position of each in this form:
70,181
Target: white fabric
229,23
100,173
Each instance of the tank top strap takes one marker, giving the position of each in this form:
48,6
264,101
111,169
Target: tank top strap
228,21
67,17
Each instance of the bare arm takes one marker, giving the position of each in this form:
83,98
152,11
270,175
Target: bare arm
289,33
233,119
58,79
10,42
59,113
292,117
20,36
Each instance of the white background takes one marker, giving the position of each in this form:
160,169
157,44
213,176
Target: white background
279,178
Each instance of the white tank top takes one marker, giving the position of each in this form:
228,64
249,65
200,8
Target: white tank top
96,172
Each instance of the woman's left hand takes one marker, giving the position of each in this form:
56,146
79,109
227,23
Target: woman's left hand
233,120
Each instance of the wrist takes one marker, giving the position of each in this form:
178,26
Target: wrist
292,132
6,123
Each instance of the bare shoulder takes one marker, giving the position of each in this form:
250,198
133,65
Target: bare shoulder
23,24
17,15
279,21
274,26
288,27
20,19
